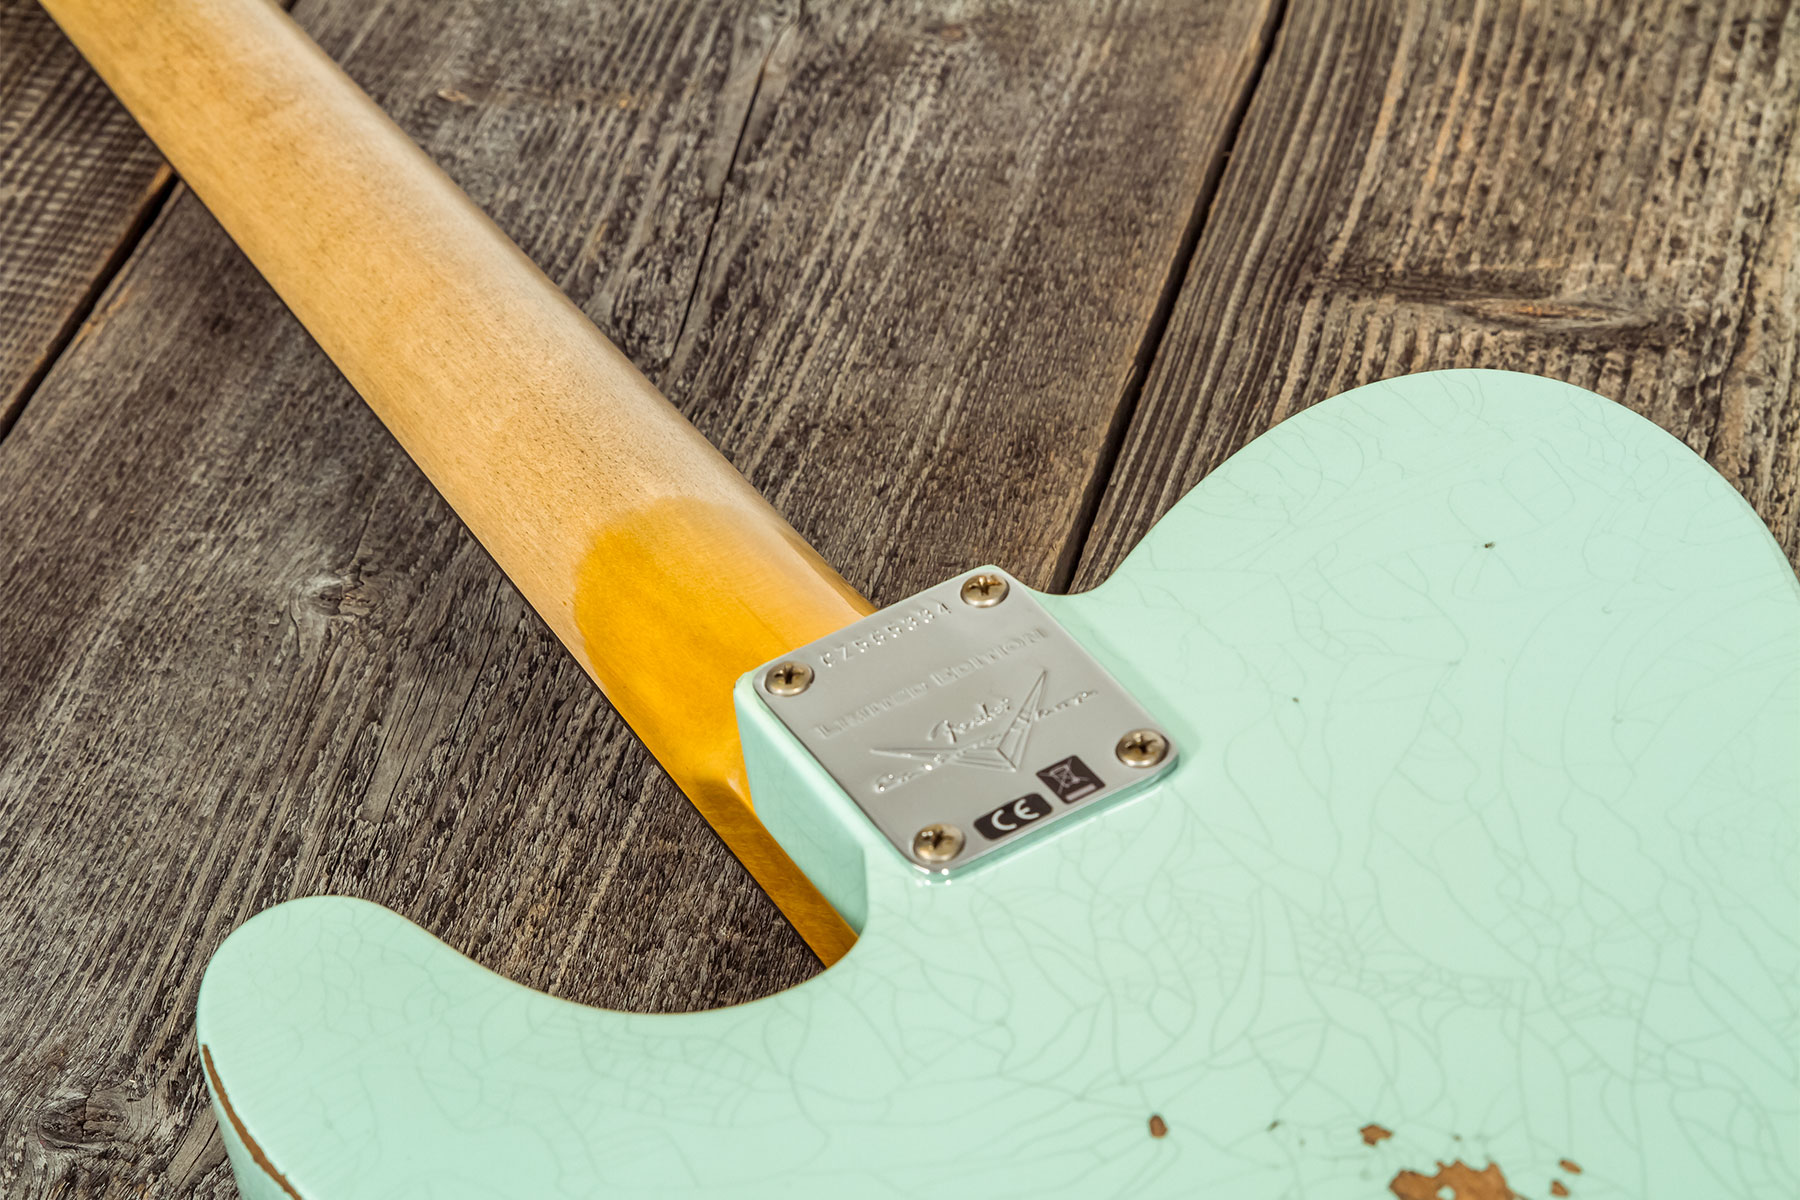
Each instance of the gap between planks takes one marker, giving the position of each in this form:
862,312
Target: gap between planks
1154,330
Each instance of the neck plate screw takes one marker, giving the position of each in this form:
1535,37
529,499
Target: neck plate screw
984,590
937,843
1143,748
788,678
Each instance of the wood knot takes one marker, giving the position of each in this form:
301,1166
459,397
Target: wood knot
92,1122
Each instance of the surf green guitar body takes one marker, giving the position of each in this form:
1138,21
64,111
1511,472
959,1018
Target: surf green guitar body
1476,872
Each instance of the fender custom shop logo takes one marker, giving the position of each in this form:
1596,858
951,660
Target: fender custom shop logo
992,737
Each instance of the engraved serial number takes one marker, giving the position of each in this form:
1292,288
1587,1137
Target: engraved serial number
897,627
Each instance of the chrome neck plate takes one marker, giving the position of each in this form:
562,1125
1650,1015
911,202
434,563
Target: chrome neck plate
964,720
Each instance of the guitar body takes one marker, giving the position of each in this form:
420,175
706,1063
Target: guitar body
1476,874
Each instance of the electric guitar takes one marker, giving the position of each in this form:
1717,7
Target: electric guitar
1413,814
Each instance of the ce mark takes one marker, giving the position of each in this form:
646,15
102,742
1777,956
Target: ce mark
1012,816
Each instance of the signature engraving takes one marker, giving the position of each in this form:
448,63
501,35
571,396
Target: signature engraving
986,713
984,740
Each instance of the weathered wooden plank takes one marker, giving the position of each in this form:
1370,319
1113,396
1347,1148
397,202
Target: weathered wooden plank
893,260
1606,197
953,228
77,180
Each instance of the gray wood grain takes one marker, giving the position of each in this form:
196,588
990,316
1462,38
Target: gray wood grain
898,263
76,182
1602,195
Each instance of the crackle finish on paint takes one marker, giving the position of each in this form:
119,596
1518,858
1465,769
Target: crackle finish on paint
1484,830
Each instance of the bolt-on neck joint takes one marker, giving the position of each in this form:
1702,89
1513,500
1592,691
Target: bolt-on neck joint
955,726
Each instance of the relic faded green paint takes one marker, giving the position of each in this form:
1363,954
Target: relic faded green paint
1484,829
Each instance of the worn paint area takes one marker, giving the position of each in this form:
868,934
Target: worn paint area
247,1143
1453,1181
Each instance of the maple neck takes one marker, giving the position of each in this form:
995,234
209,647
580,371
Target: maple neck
664,573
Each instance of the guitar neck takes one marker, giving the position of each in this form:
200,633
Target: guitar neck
664,573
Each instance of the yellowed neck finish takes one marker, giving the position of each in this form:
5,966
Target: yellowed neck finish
657,565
